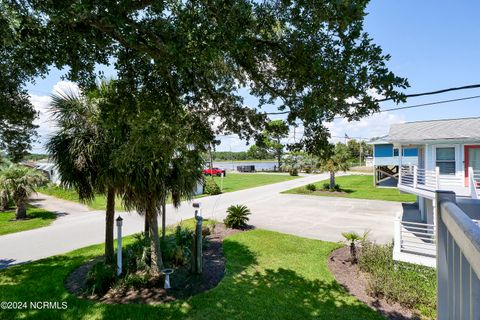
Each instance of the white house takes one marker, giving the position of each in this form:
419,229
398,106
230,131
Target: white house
447,158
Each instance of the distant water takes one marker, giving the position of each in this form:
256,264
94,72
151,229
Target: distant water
259,166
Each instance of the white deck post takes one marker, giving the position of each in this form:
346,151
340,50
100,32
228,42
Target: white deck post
397,235
400,165
472,185
415,174
437,177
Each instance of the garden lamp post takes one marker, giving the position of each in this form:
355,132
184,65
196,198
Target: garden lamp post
119,246
197,241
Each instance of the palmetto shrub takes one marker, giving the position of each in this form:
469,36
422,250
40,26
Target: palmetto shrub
311,187
100,278
237,216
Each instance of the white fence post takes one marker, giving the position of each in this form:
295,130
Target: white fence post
415,175
437,177
397,235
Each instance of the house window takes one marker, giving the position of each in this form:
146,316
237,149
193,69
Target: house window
395,152
445,160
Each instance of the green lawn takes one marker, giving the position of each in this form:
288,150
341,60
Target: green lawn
239,181
99,203
357,187
37,218
231,182
269,276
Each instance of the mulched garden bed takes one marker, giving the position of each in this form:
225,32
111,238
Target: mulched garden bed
184,284
356,283
330,192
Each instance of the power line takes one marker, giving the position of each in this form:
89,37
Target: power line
413,95
423,104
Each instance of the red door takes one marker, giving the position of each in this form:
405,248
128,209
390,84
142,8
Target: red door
472,159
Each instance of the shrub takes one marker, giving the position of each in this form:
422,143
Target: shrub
100,278
413,286
136,255
135,280
211,187
326,187
293,172
311,187
237,216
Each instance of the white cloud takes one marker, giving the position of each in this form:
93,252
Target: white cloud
373,126
44,121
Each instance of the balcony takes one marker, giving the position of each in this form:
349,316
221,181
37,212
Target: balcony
424,182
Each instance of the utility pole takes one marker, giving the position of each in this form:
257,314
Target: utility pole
361,151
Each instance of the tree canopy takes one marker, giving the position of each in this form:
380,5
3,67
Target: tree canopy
310,58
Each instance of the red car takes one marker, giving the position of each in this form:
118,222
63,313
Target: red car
215,172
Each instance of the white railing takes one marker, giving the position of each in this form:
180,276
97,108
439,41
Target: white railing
458,261
412,176
415,238
472,184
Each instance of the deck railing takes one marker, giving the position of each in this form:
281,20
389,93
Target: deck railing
414,177
415,238
458,261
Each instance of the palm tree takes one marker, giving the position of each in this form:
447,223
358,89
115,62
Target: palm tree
353,238
337,160
183,176
82,149
162,156
20,182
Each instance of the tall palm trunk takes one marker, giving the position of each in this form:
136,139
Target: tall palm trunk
20,197
332,179
155,253
109,224
146,228
3,200
164,212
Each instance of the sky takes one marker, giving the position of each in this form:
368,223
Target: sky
433,43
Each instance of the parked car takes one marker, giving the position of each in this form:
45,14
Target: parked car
215,172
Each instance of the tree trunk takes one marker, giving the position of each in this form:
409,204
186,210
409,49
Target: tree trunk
146,229
155,252
353,252
332,180
21,212
164,213
20,197
3,201
279,156
109,225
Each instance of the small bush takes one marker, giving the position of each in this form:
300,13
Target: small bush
211,187
100,278
136,255
326,187
311,187
135,280
413,286
293,172
237,216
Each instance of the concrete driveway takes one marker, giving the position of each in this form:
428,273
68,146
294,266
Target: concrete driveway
309,216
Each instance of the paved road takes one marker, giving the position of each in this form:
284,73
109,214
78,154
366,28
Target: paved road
310,216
